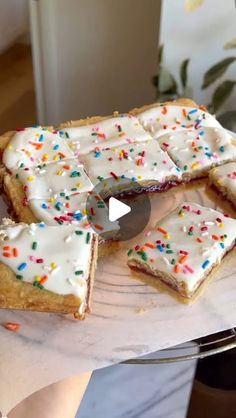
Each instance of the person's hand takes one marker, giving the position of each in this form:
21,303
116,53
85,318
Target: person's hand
58,400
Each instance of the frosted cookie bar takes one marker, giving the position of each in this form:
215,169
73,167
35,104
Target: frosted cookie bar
196,151
160,119
60,207
84,136
33,146
184,247
38,275
71,209
223,179
44,181
142,162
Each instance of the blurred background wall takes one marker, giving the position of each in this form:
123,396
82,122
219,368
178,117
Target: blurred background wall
14,22
93,57
17,87
199,35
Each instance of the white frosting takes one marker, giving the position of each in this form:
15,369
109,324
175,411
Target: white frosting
198,149
60,254
163,119
45,181
225,176
33,146
107,133
65,210
205,234
139,161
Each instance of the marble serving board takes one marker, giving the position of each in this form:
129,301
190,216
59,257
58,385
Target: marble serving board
129,318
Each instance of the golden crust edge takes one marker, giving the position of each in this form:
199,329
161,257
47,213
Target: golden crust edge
183,101
220,189
16,195
90,120
5,138
95,119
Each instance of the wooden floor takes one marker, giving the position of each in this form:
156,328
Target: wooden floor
17,96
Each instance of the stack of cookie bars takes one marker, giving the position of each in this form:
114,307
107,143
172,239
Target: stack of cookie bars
48,258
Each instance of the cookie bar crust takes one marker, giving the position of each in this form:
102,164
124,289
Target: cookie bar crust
178,102
4,140
223,180
87,121
13,189
135,111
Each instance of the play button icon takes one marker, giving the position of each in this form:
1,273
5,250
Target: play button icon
127,208
117,209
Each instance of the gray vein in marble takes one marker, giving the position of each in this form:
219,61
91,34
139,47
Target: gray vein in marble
122,391
121,292
120,285
155,400
137,349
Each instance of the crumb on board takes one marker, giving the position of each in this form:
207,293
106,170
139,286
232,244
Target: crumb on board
140,310
12,326
151,302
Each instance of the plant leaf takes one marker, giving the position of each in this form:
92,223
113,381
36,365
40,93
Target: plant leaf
228,120
184,72
230,44
188,92
155,78
161,98
167,83
222,92
160,54
191,5
216,71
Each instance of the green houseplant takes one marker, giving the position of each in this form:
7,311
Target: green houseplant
168,88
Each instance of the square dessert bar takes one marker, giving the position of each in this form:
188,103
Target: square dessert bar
196,151
36,274
184,247
44,181
46,197
49,181
159,119
71,209
142,162
223,179
84,136
65,209
33,146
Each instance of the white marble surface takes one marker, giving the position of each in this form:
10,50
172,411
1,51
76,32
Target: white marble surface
134,391
50,347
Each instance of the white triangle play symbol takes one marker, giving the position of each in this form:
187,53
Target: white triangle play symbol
117,209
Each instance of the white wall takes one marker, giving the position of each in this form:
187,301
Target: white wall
13,21
201,36
93,57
